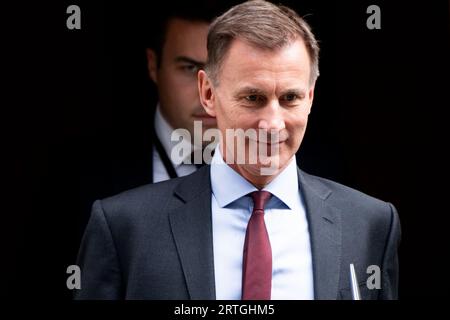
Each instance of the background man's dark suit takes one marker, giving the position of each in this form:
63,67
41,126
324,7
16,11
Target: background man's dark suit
155,242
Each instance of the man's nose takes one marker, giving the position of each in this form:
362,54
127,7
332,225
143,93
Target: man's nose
271,117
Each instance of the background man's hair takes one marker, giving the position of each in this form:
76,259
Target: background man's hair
199,11
261,24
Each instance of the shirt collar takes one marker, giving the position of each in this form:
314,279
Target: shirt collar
284,186
164,132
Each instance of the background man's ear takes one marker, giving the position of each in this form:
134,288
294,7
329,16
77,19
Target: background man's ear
152,64
206,93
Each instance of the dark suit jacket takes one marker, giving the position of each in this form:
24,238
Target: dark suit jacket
155,241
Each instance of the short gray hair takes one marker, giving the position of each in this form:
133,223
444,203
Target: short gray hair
261,24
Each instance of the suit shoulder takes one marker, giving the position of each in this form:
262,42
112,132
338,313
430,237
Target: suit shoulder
142,200
343,196
154,200
144,191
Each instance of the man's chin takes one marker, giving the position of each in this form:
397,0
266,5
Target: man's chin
264,167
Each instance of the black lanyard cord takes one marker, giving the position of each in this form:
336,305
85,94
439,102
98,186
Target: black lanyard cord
164,158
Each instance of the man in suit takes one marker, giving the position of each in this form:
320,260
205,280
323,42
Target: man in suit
247,229
173,61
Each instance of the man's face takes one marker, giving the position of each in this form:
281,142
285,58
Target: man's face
262,89
183,53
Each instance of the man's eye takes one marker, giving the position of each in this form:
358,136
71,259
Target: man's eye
253,98
290,97
191,68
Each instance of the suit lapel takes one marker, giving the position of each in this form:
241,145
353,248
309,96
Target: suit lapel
325,235
192,230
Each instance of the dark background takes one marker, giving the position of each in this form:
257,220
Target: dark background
75,100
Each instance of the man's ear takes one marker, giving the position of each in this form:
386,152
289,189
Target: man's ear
206,93
152,65
311,96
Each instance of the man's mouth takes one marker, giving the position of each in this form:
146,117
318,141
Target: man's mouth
269,140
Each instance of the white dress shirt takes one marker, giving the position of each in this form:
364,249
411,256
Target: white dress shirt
286,223
164,132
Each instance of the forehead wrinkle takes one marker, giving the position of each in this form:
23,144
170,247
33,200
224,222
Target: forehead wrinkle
269,85
290,62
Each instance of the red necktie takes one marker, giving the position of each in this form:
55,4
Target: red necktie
257,260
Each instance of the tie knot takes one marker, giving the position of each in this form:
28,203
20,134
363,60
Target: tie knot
260,199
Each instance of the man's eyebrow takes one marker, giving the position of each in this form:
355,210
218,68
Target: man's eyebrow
257,91
249,90
297,92
189,60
